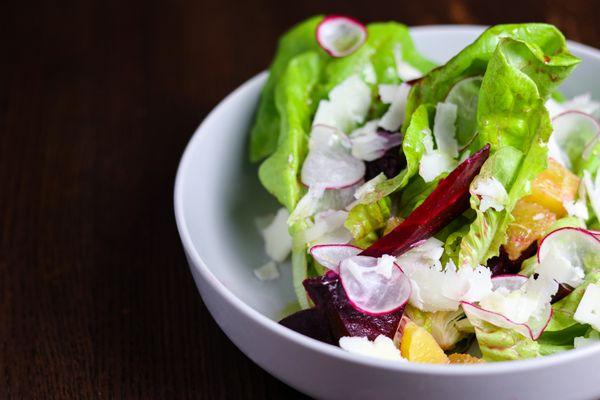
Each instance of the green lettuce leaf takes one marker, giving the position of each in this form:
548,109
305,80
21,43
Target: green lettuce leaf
279,172
473,61
443,325
512,118
564,309
364,220
499,344
266,129
299,274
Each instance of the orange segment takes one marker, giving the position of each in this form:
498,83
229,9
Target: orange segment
552,187
531,221
458,358
419,346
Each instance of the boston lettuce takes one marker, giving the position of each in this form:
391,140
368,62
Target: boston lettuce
512,118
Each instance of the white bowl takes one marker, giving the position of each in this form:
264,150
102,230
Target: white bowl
217,198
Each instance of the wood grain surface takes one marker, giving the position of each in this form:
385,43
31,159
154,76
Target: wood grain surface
97,101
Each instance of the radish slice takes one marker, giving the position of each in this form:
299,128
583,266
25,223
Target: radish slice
531,329
370,146
564,253
340,36
331,255
329,163
572,131
374,286
510,282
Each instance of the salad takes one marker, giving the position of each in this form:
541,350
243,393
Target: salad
433,213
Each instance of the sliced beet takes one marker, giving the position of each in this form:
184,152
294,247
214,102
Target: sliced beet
312,323
449,199
344,320
563,291
503,265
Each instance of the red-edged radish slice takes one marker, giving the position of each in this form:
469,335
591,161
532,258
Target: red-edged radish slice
572,130
374,286
575,244
331,255
509,281
372,145
329,163
531,329
340,36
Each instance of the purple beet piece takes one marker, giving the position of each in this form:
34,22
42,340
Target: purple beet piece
448,200
563,291
312,323
344,320
503,265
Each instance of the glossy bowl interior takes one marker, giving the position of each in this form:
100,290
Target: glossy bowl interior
217,200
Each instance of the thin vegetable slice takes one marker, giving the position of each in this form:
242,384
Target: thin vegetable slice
448,200
340,36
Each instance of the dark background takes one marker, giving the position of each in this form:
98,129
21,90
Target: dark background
97,101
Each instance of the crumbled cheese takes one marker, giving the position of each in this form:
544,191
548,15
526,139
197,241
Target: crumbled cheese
406,72
491,193
278,242
367,188
441,289
267,272
588,311
348,104
382,347
387,92
308,204
556,266
444,129
328,228
577,209
520,306
394,116
434,164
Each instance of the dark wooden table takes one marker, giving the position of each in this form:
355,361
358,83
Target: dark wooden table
97,101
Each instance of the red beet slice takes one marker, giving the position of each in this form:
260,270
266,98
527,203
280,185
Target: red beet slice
449,199
344,320
312,323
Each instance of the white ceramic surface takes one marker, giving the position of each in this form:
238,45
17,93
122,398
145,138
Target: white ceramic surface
217,197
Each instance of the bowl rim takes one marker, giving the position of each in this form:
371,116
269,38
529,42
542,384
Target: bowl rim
332,351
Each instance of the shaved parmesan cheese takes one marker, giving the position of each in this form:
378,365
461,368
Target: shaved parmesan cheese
347,106
588,311
278,242
267,272
382,347
394,116
328,228
368,187
558,267
406,72
387,92
520,306
434,164
444,129
438,289
308,204
490,192
577,209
